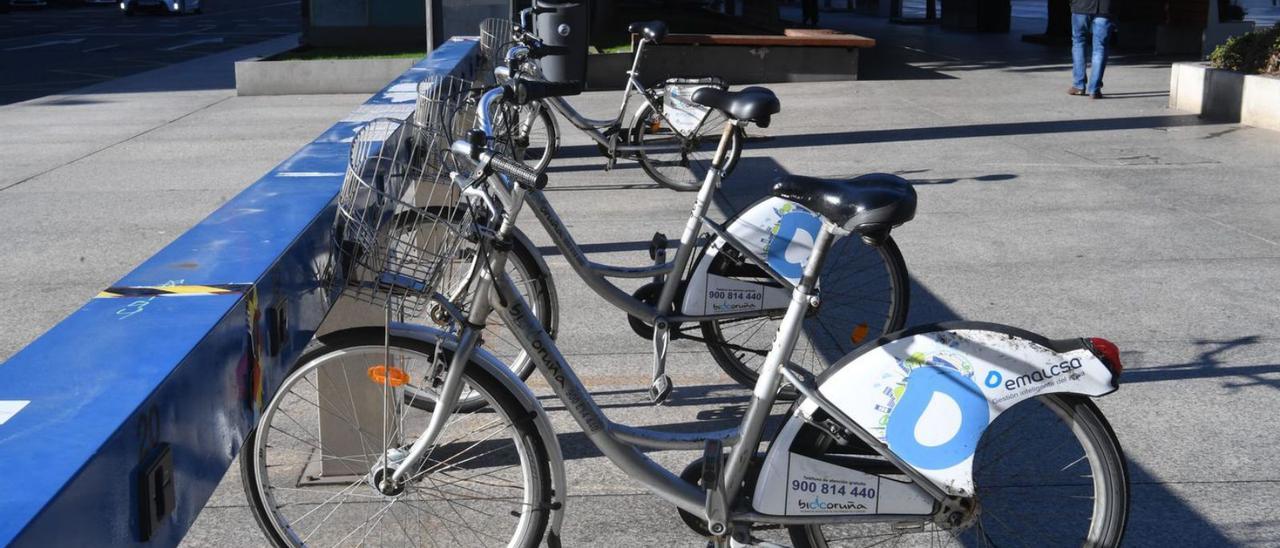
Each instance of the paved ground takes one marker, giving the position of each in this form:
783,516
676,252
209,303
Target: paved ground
1066,216
61,47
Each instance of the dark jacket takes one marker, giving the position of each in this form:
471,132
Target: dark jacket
1091,7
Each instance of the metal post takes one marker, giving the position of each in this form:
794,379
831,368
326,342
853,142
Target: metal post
430,22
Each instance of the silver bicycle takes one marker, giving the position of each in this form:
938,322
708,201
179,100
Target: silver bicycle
966,433
671,137
727,289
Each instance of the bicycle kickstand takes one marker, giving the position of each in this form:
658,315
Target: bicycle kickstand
661,387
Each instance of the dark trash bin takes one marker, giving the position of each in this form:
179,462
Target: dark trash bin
563,24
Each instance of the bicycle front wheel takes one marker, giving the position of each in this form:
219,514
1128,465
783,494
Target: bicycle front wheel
1048,472
679,160
311,466
863,293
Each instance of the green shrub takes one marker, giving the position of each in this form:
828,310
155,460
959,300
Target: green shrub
1257,52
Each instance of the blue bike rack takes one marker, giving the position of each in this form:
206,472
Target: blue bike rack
117,424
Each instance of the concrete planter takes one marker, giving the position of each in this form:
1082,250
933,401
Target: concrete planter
258,77
1225,95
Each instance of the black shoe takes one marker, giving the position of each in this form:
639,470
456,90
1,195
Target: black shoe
1096,95
1075,91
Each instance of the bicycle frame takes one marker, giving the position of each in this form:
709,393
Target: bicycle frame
622,443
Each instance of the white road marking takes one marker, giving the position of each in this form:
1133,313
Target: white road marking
49,43
9,408
217,40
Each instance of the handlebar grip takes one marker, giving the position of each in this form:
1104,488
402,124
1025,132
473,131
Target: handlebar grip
522,91
518,171
543,50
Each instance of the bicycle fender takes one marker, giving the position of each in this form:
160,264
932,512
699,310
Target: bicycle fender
781,234
929,393
552,322
509,380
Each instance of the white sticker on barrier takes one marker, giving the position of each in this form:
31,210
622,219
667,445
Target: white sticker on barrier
9,408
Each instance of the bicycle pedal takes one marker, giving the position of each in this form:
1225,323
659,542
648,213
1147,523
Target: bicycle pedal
660,390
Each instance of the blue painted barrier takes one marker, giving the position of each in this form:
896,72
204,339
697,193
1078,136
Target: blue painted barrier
179,355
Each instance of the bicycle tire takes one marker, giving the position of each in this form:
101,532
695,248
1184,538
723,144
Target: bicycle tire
524,148
1101,451
538,286
347,347
740,359
666,168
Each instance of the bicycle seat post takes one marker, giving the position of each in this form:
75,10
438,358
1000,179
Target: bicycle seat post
635,61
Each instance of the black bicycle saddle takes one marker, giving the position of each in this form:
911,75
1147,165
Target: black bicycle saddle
754,104
654,31
869,205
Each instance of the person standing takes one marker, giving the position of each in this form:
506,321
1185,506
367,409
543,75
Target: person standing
1089,18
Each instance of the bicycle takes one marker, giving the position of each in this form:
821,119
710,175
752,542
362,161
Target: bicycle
901,440
728,291
672,138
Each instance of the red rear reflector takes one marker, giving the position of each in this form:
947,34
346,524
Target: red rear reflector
1109,353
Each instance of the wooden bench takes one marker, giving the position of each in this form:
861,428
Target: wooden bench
798,55
792,38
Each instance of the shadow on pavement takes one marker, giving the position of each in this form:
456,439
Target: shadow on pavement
977,130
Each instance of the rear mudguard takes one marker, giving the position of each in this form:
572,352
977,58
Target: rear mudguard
928,394
779,232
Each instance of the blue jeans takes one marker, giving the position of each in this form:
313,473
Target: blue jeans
1100,27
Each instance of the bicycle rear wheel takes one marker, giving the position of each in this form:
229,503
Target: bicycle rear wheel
527,133
310,465
678,161
1048,472
863,292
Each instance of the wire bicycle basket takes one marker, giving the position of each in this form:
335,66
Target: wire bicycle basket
495,38
398,226
443,115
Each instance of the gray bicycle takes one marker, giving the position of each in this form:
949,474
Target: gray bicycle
672,137
727,289
965,433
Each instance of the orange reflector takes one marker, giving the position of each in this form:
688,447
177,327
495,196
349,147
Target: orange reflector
655,124
378,374
859,333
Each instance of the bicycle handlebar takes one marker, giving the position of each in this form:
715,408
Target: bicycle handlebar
540,50
521,91
490,160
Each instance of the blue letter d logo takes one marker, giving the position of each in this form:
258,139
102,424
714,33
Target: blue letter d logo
789,227
954,414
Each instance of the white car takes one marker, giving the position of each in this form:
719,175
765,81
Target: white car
129,7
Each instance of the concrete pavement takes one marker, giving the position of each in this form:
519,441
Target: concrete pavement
1062,215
